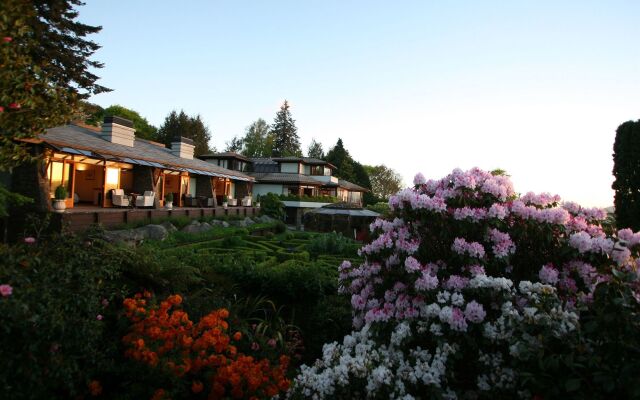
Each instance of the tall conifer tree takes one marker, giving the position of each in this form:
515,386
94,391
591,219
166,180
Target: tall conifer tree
626,170
286,141
46,70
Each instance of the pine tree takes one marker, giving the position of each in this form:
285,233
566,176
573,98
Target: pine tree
46,70
286,141
626,170
315,150
180,124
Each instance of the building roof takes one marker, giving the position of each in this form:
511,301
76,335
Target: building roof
281,177
351,186
68,138
304,160
225,154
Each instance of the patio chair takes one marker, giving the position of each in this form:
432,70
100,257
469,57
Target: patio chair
118,198
246,201
232,202
145,200
191,201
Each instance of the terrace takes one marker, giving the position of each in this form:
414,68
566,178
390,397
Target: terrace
80,218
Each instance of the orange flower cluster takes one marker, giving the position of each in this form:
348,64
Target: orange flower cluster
165,337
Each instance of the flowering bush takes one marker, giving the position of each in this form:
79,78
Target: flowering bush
471,291
203,353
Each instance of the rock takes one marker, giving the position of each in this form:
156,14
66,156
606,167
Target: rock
216,222
225,224
127,236
248,221
153,232
193,227
169,226
205,227
265,219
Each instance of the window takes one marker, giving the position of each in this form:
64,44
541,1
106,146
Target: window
60,174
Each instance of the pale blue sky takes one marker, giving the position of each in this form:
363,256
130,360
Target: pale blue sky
536,88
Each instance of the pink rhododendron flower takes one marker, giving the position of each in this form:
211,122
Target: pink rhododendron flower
29,240
419,179
6,290
99,317
474,312
548,274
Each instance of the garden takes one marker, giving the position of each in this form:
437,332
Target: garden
466,290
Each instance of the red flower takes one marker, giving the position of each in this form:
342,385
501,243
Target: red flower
14,106
7,39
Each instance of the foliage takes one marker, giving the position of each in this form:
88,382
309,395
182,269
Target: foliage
469,291
285,134
46,71
271,205
55,336
381,207
257,140
168,197
10,199
384,181
203,354
332,243
61,193
626,170
235,145
315,150
313,199
182,125
349,169
144,129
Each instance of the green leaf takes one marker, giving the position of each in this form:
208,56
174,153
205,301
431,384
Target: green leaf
572,385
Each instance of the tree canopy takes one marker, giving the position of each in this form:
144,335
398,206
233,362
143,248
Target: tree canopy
180,124
385,182
626,170
349,169
258,140
46,70
315,150
286,141
144,129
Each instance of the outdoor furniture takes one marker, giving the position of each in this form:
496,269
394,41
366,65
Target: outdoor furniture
119,199
209,202
232,202
145,200
191,201
246,201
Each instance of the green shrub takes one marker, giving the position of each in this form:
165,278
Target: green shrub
292,255
61,193
332,243
272,206
56,332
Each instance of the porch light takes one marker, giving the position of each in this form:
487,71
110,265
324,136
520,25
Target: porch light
112,176
81,167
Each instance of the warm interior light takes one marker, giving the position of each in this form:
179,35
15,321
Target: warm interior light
81,167
112,176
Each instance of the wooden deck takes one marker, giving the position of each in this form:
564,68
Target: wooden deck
78,219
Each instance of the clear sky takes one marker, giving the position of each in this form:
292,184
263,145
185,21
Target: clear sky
533,87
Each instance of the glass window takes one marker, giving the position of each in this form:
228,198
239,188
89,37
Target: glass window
60,174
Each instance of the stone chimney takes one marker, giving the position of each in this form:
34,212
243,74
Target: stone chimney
182,147
118,130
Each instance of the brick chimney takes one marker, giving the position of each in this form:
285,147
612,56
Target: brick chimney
182,147
118,130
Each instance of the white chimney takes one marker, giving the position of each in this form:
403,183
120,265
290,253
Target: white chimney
182,147
118,130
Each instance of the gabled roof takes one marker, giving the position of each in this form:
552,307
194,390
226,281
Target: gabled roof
88,139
